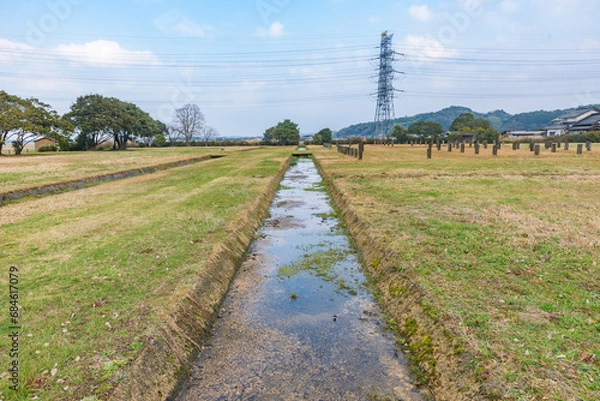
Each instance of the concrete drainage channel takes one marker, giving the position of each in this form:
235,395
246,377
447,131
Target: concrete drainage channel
299,321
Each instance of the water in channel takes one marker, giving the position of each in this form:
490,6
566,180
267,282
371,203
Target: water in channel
299,323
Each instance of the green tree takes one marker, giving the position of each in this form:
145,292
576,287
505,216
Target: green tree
326,135
130,122
36,120
400,134
90,116
159,140
286,133
478,126
11,116
268,138
463,122
97,119
317,139
426,129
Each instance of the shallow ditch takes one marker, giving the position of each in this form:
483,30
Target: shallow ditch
83,183
299,321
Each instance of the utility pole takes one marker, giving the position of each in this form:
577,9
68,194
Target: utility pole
385,113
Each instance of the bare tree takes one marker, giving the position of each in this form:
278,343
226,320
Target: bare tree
172,133
189,122
209,133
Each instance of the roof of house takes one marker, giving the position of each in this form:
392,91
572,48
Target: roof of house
557,127
587,122
578,112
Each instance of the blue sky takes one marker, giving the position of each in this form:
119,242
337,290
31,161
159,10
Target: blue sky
249,64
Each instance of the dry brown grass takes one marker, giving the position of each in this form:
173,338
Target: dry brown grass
505,251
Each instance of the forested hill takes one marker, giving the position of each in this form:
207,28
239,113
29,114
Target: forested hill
499,119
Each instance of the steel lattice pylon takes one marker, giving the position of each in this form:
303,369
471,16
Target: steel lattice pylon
384,113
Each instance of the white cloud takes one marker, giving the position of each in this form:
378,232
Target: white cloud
274,31
100,53
426,49
104,53
510,6
11,52
187,27
177,23
420,13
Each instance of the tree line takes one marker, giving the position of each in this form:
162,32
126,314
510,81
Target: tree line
93,120
286,132
465,123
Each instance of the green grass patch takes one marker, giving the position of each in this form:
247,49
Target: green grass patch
99,267
318,187
321,264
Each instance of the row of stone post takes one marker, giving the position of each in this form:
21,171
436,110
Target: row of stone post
516,146
350,151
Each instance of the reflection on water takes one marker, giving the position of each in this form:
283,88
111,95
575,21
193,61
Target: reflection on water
299,322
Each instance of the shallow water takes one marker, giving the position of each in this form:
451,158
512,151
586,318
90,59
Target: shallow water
299,322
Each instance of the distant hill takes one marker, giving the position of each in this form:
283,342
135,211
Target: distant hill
532,121
499,119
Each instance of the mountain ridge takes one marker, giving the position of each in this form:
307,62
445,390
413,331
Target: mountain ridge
500,120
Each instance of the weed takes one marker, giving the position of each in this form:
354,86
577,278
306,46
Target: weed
111,367
396,291
321,264
508,253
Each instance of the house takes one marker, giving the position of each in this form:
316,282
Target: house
556,129
523,134
578,115
44,142
563,124
591,123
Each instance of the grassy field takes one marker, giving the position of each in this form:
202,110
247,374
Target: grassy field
505,249
100,267
31,170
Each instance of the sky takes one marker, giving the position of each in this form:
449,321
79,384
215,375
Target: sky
250,64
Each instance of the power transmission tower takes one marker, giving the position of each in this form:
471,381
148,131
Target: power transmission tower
385,113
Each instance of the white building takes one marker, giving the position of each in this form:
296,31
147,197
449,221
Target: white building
523,134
